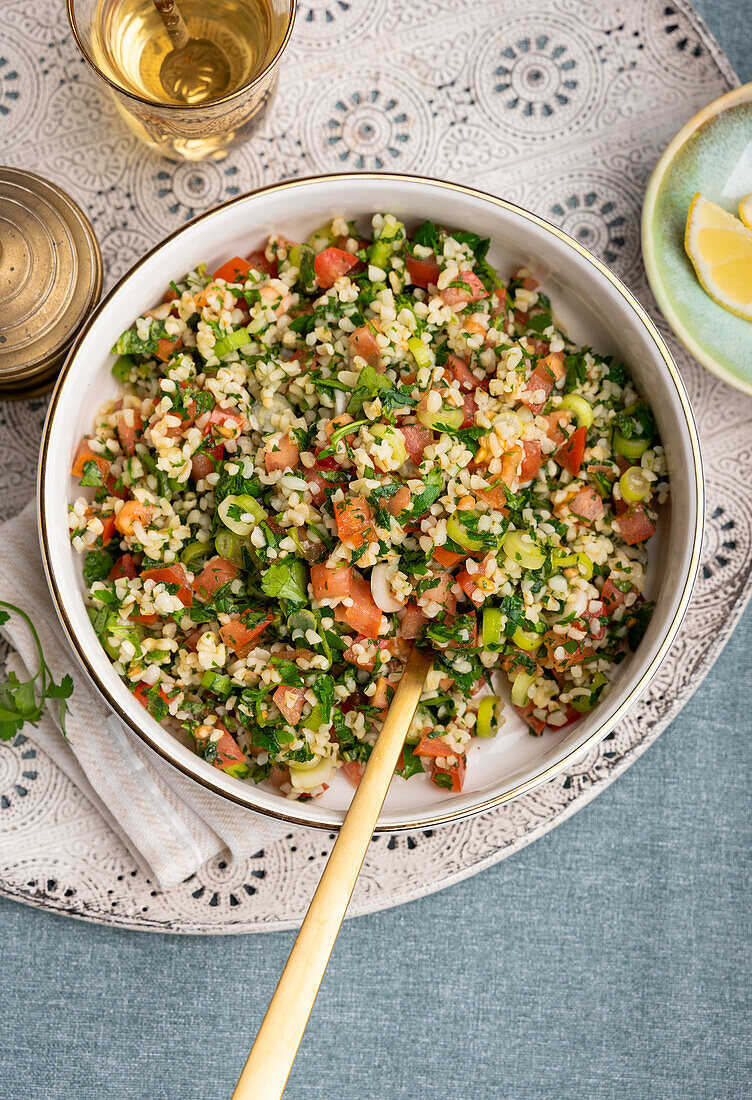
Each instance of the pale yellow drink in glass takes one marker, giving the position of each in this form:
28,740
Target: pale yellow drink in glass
126,43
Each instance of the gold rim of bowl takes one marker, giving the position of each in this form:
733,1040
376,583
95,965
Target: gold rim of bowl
333,822
181,106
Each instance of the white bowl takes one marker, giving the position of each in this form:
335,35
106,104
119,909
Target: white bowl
595,308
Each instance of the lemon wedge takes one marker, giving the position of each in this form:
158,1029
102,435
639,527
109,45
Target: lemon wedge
720,248
745,210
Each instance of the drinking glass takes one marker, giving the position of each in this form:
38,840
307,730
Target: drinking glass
125,41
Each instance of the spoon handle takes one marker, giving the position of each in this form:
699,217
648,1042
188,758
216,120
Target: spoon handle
273,1053
174,23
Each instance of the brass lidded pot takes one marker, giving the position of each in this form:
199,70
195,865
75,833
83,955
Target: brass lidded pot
50,280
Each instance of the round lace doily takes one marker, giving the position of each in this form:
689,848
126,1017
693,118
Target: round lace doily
563,109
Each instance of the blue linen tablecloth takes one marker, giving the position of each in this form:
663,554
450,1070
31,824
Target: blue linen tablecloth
609,959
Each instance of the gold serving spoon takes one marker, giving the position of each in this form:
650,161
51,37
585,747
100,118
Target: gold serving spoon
195,70
273,1053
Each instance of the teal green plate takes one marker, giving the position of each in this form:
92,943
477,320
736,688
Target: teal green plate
711,154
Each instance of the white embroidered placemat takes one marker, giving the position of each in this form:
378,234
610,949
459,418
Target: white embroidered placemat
562,106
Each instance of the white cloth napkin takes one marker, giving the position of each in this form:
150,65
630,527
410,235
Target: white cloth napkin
169,823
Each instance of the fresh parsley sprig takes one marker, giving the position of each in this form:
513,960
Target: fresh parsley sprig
22,701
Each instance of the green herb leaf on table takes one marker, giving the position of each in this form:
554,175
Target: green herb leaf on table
22,701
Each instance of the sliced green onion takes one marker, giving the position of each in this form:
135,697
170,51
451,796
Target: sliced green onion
314,719
563,561
307,774
229,546
380,253
231,342
419,351
520,686
321,238
490,631
238,770
458,533
301,621
527,640
395,441
585,703
484,725
122,368
345,429
232,510
585,565
520,547
581,408
217,682
194,553
634,485
629,448
448,416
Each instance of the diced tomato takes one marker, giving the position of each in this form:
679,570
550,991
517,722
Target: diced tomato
469,408
456,774
332,264
433,746
258,261
354,521
531,460
459,295
216,573
128,433
201,465
365,344
635,525
412,621
587,504
468,584
83,455
439,591
316,485
233,271
282,455
611,596
125,566
540,382
416,441
569,454
595,628
579,651
447,558
461,373
329,584
172,574
145,620
397,504
132,512
364,616
170,295
360,659
554,362
381,696
290,702
141,690
353,771
166,347
226,423
422,272
228,750
555,421
108,530
240,638
526,712
497,497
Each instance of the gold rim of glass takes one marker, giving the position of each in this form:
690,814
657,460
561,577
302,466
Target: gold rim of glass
180,106
333,821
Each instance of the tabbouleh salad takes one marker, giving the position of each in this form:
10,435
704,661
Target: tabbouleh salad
328,451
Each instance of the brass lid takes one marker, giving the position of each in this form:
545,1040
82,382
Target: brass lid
50,279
